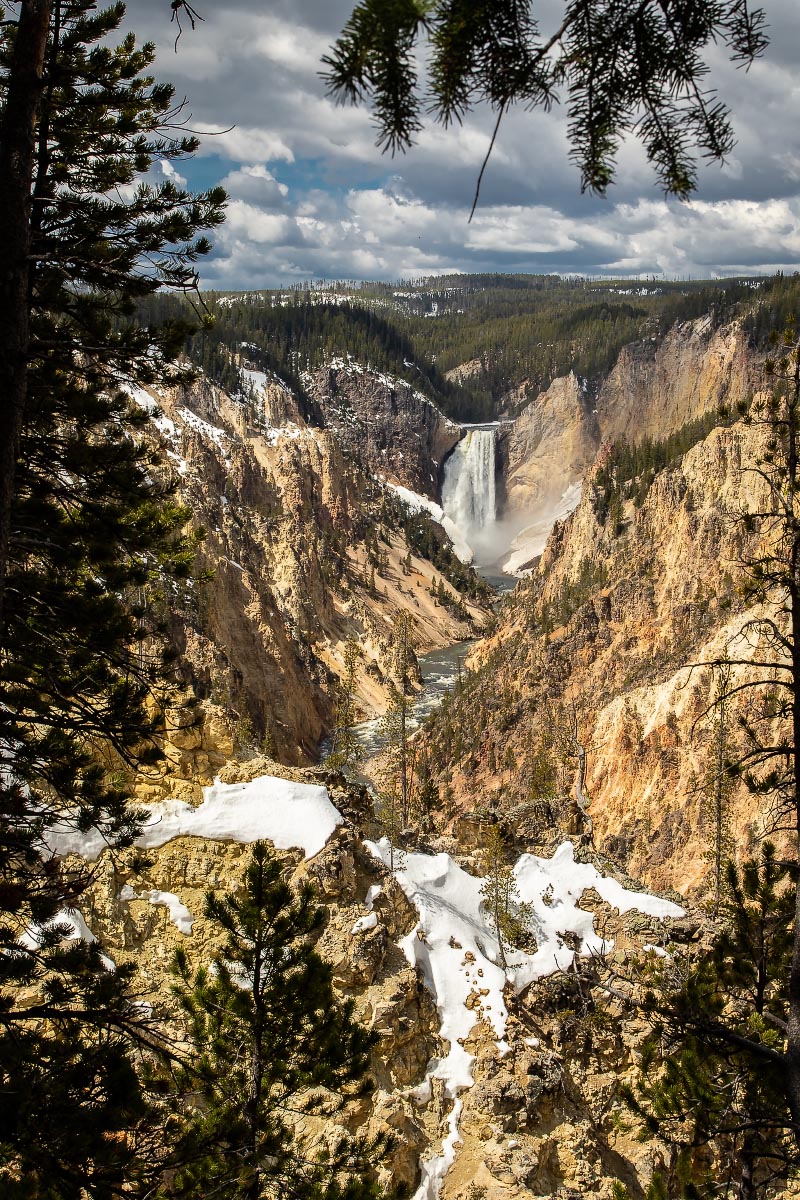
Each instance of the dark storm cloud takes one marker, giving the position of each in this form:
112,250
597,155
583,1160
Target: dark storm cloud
312,196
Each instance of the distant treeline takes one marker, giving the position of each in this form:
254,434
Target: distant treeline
517,332
533,334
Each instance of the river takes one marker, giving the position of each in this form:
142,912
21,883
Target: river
439,670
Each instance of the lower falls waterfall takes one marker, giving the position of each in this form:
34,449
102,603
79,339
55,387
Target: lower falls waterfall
468,490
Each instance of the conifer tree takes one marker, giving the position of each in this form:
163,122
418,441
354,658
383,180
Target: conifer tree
738,1012
74,1119
397,776
620,68
95,540
79,122
500,894
701,1080
428,799
269,1040
345,747
719,785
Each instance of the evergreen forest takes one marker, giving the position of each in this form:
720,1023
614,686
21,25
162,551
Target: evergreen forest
503,338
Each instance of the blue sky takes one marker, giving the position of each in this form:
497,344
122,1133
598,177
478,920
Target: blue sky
312,197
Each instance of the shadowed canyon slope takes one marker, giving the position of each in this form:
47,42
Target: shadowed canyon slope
305,547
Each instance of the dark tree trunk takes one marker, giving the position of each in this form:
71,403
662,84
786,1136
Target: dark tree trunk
17,157
747,1187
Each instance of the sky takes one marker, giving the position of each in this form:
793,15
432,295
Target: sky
313,198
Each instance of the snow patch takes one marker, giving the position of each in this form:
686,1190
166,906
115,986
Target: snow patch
210,432
178,912
419,503
258,379
659,950
553,888
366,922
290,815
77,931
455,948
283,433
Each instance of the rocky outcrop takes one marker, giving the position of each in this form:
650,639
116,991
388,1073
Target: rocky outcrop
548,447
133,909
657,386
544,1114
384,424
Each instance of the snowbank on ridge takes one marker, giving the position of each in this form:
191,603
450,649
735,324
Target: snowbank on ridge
290,815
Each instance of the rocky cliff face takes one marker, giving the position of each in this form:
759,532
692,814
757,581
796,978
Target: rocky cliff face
304,548
654,389
549,446
384,424
544,1113
597,665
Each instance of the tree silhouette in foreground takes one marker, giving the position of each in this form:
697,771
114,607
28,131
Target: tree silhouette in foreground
271,1043
622,68
729,1028
712,1072
95,547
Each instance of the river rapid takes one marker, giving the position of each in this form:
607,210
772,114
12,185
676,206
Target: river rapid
439,670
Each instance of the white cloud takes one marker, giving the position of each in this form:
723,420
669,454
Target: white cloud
245,144
294,46
254,182
363,214
253,225
169,172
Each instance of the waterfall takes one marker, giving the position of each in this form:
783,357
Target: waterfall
468,491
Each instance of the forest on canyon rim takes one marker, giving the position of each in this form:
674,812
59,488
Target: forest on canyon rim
227,970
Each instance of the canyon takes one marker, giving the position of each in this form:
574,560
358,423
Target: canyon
581,728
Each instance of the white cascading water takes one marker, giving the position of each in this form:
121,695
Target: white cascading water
468,489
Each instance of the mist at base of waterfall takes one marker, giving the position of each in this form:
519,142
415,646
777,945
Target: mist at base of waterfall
533,529
507,544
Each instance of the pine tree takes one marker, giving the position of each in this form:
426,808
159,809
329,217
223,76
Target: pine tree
621,67
269,1040
345,748
700,1081
79,122
398,770
719,785
74,1119
427,795
500,894
95,543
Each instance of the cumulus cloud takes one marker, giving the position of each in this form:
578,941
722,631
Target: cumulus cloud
311,196
168,172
